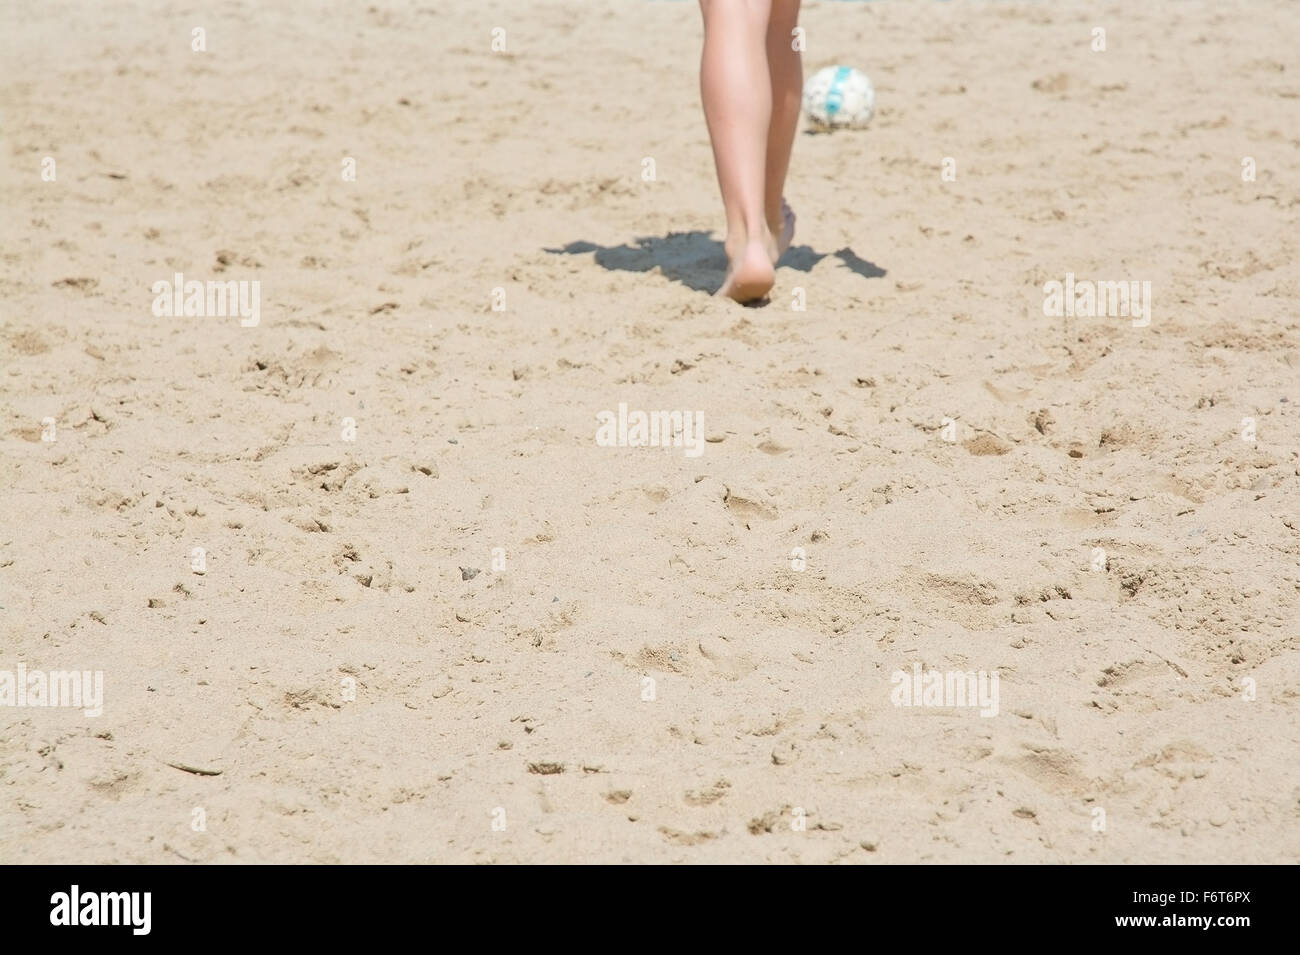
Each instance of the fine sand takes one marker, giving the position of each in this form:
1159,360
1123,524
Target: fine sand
649,678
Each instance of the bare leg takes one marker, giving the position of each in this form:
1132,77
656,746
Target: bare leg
785,65
737,93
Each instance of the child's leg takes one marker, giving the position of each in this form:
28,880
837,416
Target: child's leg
737,91
785,64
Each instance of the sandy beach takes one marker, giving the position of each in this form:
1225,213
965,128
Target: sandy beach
363,585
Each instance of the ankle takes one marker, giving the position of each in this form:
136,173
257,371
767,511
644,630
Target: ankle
748,230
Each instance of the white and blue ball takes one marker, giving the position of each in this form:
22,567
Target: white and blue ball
839,97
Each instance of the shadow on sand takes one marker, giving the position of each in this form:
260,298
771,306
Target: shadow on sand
697,260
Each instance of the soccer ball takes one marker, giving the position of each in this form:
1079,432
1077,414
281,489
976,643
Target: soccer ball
839,97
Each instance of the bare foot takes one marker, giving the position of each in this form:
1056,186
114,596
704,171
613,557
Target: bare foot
783,230
750,274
